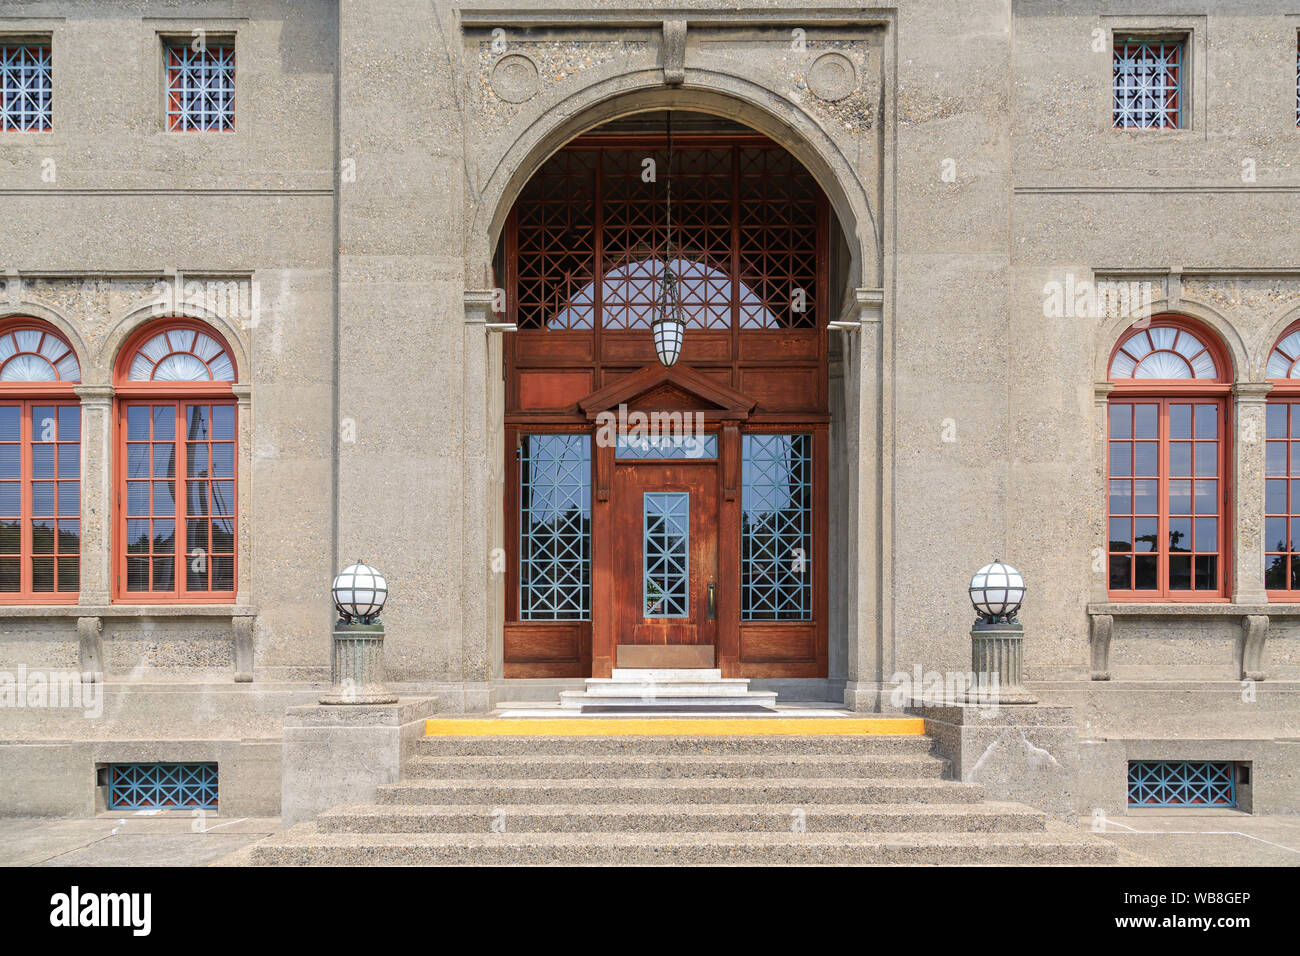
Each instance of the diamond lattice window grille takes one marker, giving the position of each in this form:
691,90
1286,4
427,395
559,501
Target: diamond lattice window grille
555,528
200,88
667,446
1181,783
1148,85
666,553
776,528
26,88
162,786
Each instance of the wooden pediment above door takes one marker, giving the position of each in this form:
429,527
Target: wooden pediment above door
676,389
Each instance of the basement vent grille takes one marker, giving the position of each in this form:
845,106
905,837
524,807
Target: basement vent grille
1181,783
162,786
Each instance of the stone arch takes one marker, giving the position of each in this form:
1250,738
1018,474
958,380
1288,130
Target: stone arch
721,94
65,328
1227,335
109,352
1268,337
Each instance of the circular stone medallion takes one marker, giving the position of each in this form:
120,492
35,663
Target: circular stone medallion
832,76
514,78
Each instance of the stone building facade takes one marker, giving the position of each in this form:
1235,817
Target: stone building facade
341,229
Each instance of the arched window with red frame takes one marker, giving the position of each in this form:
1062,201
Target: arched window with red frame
1282,469
176,528
40,465
1167,464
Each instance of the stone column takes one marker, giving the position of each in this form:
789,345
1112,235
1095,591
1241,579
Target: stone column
482,580
97,492
243,492
1247,473
1098,564
870,656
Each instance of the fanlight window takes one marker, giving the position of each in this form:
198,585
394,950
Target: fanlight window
1284,360
632,291
181,355
35,355
1163,352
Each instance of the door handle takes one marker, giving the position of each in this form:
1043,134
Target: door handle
713,601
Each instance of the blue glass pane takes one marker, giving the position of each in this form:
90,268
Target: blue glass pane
666,554
776,528
162,786
1181,783
668,446
555,528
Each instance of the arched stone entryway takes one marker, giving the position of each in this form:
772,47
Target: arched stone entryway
853,358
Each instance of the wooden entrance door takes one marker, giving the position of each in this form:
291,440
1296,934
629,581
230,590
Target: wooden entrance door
665,522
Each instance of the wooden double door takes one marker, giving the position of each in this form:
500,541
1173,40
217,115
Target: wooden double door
665,582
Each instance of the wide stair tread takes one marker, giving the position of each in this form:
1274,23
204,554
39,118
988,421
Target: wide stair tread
607,767
655,746
305,844
691,818
680,790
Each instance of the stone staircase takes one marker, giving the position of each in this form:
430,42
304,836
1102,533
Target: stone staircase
789,799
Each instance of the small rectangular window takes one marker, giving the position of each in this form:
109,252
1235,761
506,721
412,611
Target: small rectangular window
1149,83
1181,783
200,87
162,786
26,88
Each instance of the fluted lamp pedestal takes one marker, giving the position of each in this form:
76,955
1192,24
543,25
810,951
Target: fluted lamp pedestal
358,666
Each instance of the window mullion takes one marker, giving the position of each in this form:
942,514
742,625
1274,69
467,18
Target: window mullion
179,503
1162,485
25,457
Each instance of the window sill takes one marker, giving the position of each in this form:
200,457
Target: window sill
1190,609
127,610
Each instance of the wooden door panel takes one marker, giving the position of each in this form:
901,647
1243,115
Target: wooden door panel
631,483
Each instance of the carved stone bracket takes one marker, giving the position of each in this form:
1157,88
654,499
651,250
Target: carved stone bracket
241,632
1254,633
674,52
90,648
1100,628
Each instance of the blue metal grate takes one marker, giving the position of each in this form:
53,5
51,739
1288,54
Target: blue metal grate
1148,85
667,446
776,529
667,539
162,786
200,88
555,528
26,88
1181,783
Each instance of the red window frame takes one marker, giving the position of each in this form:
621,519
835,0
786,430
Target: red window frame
1165,395
178,398
55,393
1282,484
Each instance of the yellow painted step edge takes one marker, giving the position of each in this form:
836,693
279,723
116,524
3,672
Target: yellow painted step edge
664,726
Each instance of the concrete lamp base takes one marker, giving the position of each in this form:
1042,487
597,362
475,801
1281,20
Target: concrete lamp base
358,667
997,660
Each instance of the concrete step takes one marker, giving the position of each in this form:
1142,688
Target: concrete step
771,791
605,687
668,818
306,845
665,698
668,674
650,746
617,767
